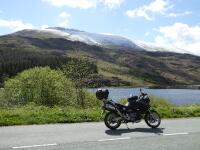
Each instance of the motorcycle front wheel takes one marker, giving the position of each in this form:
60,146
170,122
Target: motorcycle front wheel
152,119
112,120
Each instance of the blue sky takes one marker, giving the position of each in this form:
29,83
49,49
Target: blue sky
165,22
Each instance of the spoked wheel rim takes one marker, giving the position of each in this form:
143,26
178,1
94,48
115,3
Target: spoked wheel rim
153,119
112,120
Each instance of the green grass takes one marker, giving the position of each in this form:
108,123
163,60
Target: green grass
169,110
32,114
109,70
44,115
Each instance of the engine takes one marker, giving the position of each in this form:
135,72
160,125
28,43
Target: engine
134,116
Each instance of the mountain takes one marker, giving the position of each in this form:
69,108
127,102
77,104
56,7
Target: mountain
103,40
120,61
107,41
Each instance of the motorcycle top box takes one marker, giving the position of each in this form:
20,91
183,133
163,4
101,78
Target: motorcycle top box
102,94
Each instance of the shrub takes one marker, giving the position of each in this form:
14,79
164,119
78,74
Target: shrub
2,98
159,102
40,85
91,100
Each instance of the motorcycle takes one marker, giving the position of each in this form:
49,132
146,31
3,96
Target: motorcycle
137,108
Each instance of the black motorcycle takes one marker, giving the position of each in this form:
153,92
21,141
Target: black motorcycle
138,107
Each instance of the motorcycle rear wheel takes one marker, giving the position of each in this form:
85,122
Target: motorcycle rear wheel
111,120
152,119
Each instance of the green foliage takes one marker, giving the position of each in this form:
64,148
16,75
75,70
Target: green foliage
159,102
42,86
123,101
91,100
78,70
3,101
32,114
169,110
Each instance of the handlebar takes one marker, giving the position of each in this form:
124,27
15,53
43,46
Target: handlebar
142,94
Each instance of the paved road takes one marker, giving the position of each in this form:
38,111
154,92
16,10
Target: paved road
177,134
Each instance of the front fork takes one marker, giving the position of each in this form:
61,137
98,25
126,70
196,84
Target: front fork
151,116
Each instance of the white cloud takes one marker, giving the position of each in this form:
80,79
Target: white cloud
179,14
180,35
162,7
65,19
15,25
157,6
64,15
112,3
83,4
147,34
138,13
64,23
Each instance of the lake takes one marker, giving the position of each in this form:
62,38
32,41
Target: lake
176,96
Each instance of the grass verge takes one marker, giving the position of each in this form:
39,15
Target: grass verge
27,115
169,110
31,114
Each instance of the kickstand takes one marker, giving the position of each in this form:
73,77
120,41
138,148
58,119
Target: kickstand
127,126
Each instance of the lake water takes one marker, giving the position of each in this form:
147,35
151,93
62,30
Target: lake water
176,96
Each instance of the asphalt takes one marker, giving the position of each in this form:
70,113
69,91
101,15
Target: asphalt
175,134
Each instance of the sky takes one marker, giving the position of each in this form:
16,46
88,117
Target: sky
163,22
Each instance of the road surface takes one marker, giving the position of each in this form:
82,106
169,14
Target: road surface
175,134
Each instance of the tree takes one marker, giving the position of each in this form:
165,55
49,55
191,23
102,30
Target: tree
78,70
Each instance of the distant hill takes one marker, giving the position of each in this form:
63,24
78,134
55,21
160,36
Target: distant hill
120,61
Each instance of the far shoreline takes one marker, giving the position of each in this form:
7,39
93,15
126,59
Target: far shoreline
190,87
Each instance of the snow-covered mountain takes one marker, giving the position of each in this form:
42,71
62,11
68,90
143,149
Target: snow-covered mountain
109,41
162,48
104,40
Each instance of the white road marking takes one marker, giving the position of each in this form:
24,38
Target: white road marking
125,138
43,145
168,134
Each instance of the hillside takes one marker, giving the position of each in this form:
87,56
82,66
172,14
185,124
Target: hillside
117,65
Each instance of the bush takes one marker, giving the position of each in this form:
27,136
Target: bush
2,98
159,102
42,86
91,100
